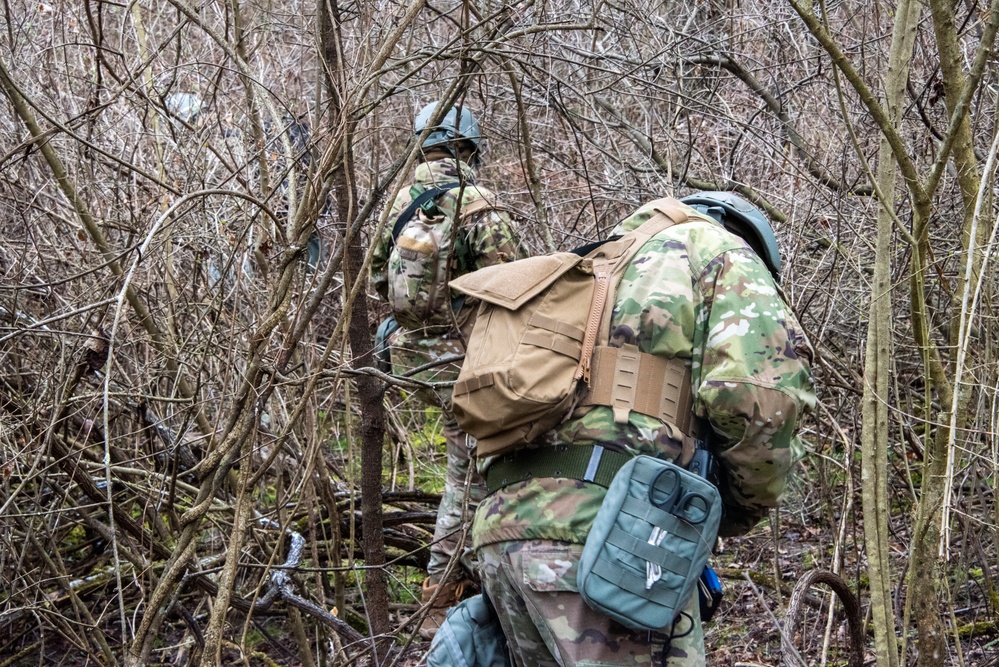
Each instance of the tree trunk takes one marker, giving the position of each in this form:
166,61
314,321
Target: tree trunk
929,537
874,435
369,389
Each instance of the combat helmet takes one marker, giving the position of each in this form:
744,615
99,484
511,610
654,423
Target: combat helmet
449,129
742,219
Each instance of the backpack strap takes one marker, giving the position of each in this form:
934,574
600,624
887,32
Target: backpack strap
610,260
624,378
486,204
475,206
421,199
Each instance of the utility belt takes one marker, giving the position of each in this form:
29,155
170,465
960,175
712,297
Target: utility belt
652,537
587,463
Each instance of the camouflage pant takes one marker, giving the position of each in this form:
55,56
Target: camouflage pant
457,508
532,584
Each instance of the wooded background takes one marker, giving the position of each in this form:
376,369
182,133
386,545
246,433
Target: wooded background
198,461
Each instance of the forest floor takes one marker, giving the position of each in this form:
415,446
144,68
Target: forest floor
746,631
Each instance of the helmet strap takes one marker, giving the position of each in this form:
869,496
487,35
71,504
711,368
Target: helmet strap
438,152
469,156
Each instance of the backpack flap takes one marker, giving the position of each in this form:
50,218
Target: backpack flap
513,284
517,378
539,321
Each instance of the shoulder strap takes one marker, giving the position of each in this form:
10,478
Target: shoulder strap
421,199
626,379
475,206
585,250
668,212
610,260
465,213
483,204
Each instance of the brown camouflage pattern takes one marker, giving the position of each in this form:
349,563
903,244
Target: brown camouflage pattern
489,237
464,489
532,585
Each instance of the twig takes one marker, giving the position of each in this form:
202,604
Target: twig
281,587
790,651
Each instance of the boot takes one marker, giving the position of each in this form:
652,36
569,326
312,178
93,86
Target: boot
450,595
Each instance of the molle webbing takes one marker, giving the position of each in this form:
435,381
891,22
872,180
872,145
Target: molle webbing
625,379
544,326
531,351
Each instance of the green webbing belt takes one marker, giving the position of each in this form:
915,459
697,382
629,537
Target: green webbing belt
588,463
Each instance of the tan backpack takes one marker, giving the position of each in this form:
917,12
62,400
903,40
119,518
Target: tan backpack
539,349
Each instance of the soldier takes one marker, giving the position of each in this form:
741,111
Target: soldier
411,265
694,291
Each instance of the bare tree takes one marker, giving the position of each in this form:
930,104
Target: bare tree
197,459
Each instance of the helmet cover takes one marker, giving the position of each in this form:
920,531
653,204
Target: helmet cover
742,219
449,129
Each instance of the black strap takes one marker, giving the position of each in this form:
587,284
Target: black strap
421,199
585,250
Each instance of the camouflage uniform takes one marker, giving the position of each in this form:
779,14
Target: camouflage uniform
489,237
693,291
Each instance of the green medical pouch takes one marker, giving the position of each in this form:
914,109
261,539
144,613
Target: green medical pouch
470,636
649,543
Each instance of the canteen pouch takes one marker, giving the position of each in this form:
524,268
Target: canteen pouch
641,563
470,636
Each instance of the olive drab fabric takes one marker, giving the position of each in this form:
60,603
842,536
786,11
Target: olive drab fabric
694,292
539,324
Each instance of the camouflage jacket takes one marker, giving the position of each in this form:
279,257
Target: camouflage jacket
697,292
488,237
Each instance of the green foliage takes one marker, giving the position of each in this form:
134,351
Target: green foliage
254,638
423,425
405,586
75,537
267,495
